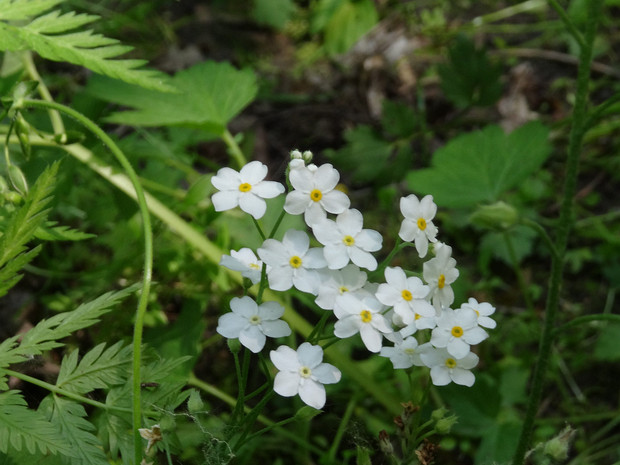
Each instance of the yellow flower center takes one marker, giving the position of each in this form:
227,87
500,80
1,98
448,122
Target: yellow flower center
450,363
406,295
295,261
441,281
316,195
255,320
417,316
245,187
254,266
366,316
409,351
421,224
457,331
305,372
343,289
348,241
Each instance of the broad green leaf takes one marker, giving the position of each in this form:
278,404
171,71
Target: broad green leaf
274,13
211,94
349,21
481,166
607,347
55,36
469,78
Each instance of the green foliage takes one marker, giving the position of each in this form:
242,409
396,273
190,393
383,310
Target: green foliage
21,428
211,95
343,22
21,227
469,78
607,347
274,13
24,26
481,166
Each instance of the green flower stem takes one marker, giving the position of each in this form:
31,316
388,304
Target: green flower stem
542,232
251,419
243,382
259,228
579,321
344,421
213,253
277,224
517,270
55,119
148,255
570,26
509,11
233,149
563,230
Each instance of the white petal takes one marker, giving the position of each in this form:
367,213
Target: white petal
252,204
326,373
275,328
301,180
346,327
226,179
225,200
270,310
371,337
314,213
475,335
428,209
440,376
463,377
388,295
285,359
296,203
286,383
268,189
335,202
280,278
273,253
252,338
253,172
314,258
296,242
363,259
350,222
410,207
458,348
326,177
309,355
312,393
369,240
408,229
230,325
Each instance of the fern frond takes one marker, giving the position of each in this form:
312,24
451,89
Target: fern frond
46,334
21,428
98,369
68,417
53,36
21,227
51,232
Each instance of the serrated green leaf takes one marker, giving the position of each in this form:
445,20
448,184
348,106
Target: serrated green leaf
100,368
469,78
398,119
22,428
481,166
68,418
51,37
349,21
51,232
211,95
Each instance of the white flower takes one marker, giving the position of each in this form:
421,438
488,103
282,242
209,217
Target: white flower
457,331
439,273
426,321
361,316
245,188
292,262
406,295
404,354
315,193
483,310
244,261
418,223
301,372
344,240
251,322
446,368
337,283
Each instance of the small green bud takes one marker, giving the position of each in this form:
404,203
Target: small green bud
195,403
557,448
18,180
498,216
307,156
438,414
296,155
69,137
234,345
444,425
385,444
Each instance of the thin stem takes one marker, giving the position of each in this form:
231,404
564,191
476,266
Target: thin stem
243,381
148,256
277,225
233,149
260,229
563,231
331,455
579,321
517,270
542,232
567,22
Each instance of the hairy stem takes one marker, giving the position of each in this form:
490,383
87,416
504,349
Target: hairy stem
563,230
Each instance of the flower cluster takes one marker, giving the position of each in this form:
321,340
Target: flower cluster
414,313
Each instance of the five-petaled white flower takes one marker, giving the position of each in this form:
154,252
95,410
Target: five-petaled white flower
418,223
302,372
244,261
483,310
292,262
251,323
457,330
406,295
405,353
338,282
315,193
446,368
245,188
344,240
439,273
362,316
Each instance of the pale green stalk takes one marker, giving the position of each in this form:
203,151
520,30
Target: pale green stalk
148,256
563,230
233,149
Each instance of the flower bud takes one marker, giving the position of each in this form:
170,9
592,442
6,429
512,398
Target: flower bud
296,155
498,216
557,448
385,444
444,425
307,156
234,345
18,179
438,414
